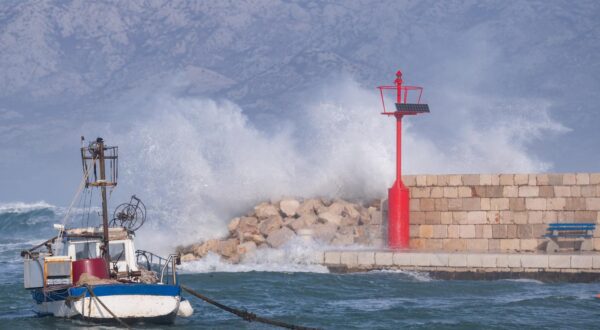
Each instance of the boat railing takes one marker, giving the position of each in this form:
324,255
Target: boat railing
164,267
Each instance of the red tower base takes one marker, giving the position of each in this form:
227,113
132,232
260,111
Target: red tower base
398,217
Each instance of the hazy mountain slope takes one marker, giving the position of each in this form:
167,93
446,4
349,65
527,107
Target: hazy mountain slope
57,50
64,61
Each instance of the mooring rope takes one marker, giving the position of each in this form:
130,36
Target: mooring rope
247,316
103,305
72,299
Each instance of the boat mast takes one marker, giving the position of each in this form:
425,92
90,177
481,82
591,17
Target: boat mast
97,151
105,239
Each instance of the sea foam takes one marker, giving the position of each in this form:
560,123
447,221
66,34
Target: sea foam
296,256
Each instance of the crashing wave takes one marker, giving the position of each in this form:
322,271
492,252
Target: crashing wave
22,207
294,257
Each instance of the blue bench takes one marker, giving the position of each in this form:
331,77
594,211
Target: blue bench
569,230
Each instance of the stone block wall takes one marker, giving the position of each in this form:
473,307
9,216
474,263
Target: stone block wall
498,212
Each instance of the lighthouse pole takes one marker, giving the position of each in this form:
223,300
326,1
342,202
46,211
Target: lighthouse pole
398,194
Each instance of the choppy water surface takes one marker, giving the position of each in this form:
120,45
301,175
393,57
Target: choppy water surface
374,300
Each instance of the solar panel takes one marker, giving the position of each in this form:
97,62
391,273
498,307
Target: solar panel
411,107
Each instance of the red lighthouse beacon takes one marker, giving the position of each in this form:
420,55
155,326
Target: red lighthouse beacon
408,102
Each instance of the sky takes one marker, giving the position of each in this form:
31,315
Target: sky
217,105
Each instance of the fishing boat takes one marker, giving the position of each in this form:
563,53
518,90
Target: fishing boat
95,272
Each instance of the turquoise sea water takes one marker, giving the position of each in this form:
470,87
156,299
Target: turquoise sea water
374,300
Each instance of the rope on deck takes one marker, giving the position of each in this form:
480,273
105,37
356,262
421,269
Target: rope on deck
103,305
247,316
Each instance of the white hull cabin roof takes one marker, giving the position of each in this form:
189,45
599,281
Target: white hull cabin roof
114,233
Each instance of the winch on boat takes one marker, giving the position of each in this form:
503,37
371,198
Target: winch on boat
95,272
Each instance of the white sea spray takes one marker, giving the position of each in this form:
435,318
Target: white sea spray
199,162
294,256
23,207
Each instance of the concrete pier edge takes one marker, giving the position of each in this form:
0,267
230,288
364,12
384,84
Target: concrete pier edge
572,267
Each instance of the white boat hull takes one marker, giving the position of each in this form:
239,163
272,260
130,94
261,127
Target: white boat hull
126,307
149,303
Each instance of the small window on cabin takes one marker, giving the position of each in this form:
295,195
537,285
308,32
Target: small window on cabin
85,250
117,252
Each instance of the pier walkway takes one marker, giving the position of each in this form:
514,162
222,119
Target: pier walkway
574,266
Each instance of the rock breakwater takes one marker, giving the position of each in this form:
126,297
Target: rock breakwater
332,222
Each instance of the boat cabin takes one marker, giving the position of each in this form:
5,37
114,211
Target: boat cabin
85,243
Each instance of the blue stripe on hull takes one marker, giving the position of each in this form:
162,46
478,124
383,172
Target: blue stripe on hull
107,290
129,289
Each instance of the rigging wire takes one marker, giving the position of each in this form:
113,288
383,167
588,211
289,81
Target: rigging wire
89,208
82,186
82,198
83,210
84,219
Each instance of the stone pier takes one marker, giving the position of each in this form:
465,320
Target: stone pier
499,212
461,226
577,266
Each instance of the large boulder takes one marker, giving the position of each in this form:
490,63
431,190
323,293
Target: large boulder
269,225
375,216
287,221
330,217
309,206
342,209
365,217
246,248
297,224
233,225
350,230
256,238
324,232
289,206
265,210
309,218
343,239
248,225
279,237
227,248
351,211
209,246
348,221
335,208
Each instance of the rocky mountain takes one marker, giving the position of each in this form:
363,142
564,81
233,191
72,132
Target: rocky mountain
251,51
63,61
